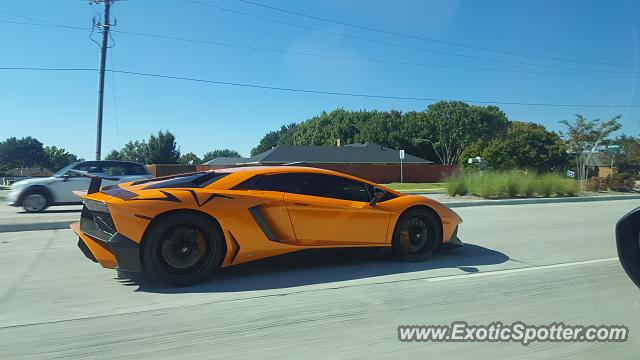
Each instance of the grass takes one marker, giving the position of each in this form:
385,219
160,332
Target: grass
510,184
416,186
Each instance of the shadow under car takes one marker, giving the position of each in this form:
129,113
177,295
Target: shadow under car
318,266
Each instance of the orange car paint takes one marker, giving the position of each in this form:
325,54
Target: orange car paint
299,221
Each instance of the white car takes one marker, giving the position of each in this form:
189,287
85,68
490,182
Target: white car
37,194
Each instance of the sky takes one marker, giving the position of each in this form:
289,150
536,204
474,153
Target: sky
572,52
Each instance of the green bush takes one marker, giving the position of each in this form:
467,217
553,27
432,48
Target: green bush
513,184
548,185
496,185
488,185
527,185
456,186
568,187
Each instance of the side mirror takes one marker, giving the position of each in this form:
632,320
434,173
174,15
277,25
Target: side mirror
628,242
377,195
66,177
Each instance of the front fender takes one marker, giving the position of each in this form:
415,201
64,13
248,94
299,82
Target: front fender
448,218
33,188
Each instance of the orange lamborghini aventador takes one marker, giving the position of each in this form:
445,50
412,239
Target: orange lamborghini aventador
183,228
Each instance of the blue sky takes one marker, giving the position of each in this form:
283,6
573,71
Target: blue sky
58,108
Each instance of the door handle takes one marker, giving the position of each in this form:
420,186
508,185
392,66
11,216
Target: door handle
300,204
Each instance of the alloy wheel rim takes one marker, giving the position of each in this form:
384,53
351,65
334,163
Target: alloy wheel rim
183,251
415,235
35,202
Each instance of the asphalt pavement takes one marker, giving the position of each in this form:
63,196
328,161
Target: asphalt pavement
539,264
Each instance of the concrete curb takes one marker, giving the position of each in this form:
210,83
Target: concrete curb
64,224
50,225
557,200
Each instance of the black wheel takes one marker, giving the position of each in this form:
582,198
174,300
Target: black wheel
417,234
35,201
183,249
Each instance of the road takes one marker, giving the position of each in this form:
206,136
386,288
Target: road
10,215
533,263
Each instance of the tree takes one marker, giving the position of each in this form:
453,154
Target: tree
627,158
441,132
190,158
162,149
57,158
114,155
24,152
452,127
158,149
584,136
132,151
523,146
414,133
274,138
220,153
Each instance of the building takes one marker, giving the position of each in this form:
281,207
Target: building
600,165
226,161
366,160
17,174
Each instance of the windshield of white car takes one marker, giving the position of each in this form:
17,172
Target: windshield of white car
64,170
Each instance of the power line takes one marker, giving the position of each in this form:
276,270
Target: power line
428,39
589,73
359,59
318,92
388,43
26,17
47,25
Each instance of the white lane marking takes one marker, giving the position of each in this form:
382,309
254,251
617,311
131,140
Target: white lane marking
518,270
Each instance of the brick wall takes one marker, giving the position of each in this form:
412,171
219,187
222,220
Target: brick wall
169,169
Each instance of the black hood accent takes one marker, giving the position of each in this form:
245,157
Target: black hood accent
209,198
168,197
119,193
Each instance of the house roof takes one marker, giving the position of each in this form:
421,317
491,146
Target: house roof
364,153
29,172
226,161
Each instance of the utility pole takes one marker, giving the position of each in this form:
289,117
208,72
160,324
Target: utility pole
104,26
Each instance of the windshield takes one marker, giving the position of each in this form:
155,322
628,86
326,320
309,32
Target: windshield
64,170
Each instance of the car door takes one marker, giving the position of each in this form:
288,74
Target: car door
334,210
63,188
265,194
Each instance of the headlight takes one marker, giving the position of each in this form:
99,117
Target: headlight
18,186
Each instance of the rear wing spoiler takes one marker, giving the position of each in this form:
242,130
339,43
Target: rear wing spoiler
96,180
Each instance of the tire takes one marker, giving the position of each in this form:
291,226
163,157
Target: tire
418,233
35,201
183,249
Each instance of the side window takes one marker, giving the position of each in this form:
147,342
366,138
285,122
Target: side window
135,169
329,186
123,169
88,166
114,170
276,182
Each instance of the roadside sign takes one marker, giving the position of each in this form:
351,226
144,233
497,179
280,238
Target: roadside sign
401,154
613,146
571,173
